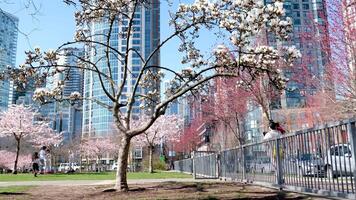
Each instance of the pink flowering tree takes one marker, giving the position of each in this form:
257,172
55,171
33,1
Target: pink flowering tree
96,148
233,24
166,128
7,159
19,122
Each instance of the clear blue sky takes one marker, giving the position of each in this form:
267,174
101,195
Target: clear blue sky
55,25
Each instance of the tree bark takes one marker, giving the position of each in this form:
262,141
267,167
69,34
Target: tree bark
150,163
121,173
80,164
17,155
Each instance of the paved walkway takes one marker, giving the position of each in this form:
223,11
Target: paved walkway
90,182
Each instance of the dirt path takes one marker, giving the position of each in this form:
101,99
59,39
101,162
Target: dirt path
91,182
166,190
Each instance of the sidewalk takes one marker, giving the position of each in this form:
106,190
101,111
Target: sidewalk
90,182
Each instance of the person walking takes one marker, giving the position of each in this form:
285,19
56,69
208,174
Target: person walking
42,156
271,145
274,133
35,164
48,160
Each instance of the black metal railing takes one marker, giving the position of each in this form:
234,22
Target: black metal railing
320,160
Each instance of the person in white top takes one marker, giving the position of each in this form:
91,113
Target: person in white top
271,147
42,155
272,134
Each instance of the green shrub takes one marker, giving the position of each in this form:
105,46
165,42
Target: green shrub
158,164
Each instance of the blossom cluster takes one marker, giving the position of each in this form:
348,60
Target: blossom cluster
7,160
167,127
20,122
97,147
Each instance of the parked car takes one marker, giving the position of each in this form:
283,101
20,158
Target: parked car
338,161
310,165
68,167
114,167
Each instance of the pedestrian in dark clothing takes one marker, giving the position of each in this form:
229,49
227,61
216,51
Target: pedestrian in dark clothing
35,163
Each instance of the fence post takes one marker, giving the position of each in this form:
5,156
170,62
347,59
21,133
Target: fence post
218,164
351,131
194,170
279,163
243,163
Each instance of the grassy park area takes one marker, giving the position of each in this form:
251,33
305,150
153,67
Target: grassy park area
90,176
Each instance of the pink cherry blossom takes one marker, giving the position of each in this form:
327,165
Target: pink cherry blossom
20,123
166,128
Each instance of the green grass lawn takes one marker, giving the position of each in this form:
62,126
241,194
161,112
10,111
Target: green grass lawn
90,176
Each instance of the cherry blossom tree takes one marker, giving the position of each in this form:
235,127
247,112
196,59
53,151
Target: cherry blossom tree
189,139
165,128
227,106
97,148
237,23
7,160
20,123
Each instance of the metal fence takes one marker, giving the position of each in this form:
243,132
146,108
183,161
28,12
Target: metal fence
320,160
205,165
185,165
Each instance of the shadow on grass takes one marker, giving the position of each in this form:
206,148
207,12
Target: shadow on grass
140,189
171,185
12,193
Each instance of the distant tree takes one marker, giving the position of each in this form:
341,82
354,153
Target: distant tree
165,128
97,148
20,123
227,106
7,159
189,139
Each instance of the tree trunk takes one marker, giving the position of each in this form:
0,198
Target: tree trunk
121,173
17,155
150,163
80,164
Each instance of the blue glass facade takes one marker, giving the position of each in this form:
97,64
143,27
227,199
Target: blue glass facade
305,15
97,120
8,44
66,118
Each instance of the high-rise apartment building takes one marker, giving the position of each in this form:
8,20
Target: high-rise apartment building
307,76
97,120
66,118
309,36
350,35
8,45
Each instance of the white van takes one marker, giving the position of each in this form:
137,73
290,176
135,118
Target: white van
66,167
338,161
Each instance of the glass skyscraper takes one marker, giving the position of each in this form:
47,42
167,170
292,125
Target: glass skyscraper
8,45
97,120
309,29
309,26
66,118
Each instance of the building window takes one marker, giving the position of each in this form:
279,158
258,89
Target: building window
136,62
137,154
